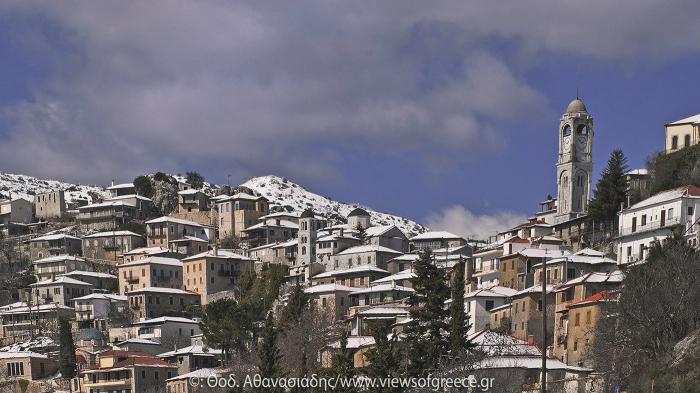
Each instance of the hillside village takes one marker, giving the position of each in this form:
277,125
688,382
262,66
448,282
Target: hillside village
133,277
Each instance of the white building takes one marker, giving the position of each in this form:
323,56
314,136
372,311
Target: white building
654,219
478,305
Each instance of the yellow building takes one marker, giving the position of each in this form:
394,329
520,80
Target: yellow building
682,133
238,212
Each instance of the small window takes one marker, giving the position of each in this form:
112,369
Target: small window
489,305
674,142
686,141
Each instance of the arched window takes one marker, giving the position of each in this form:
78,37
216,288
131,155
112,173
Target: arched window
567,130
674,142
582,129
686,142
303,250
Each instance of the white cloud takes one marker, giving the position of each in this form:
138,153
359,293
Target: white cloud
138,86
461,221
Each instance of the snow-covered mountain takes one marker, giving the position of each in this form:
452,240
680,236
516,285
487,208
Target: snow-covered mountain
281,192
291,196
22,186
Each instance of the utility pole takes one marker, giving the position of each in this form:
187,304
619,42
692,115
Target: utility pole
543,282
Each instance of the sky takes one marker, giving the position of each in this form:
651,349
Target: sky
445,112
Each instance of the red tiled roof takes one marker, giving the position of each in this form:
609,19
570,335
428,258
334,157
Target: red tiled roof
693,190
598,297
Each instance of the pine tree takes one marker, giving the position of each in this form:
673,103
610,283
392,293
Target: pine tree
195,180
66,360
611,189
459,322
268,353
426,332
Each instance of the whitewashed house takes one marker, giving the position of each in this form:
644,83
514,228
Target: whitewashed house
654,219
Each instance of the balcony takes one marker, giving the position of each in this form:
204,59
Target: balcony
132,280
650,226
111,247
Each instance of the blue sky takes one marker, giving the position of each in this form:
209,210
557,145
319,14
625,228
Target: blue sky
446,112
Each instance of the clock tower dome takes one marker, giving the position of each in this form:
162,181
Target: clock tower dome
574,163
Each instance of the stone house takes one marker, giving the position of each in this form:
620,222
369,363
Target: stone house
49,205
51,267
214,271
162,231
238,212
571,266
61,290
154,302
111,245
362,255
16,210
435,239
358,276
26,365
124,371
19,322
331,298
192,358
479,303
54,245
150,272
526,313
517,270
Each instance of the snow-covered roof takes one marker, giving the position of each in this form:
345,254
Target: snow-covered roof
687,120
111,234
288,243
188,238
534,289
368,248
541,253
406,258
21,355
382,288
130,196
200,374
356,269
161,320
582,259
191,350
105,204
136,340
172,291
221,254
103,296
335,236
402,275
60,280
378,230
88,274
324,288
616,276
174,220
57,236
493,343
638,172
118,186
59,258
430,235
495,291
190,191
42,308
665,196
154,261
266,224
147,251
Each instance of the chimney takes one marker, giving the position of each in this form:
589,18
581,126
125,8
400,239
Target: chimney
216,248
530,339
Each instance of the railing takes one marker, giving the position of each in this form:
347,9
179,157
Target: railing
650,226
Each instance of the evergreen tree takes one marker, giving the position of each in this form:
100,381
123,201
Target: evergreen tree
361,234
383,358
426,332
342,364
298,300
611,189
195,180
66,360
268,353
143,186
459,322
226,325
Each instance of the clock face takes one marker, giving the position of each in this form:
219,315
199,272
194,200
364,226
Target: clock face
582,140
567,143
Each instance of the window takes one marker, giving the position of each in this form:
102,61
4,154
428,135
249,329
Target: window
674,142
567,130
690,211
575,345
644,219
588,317
489,306
686,141
670,212
577,320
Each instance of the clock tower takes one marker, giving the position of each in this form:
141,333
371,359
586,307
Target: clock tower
574,163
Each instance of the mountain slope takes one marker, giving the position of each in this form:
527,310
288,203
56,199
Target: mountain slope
291,196
22,186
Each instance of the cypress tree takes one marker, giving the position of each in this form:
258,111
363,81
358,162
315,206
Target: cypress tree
459,322
383,358
361,234
268,353
66,360
426,333
342,364
298,300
